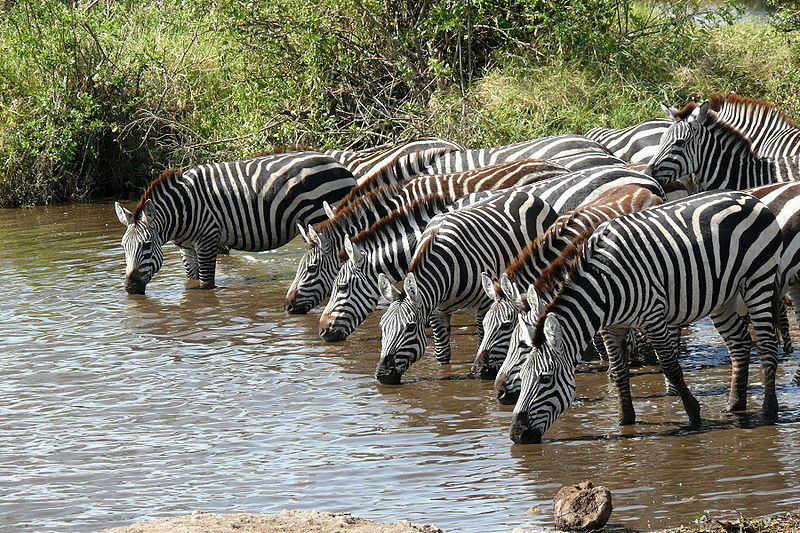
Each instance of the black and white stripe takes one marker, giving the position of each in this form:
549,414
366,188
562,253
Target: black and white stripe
575,152
444,275
668,265
382,175
635,144
389,249
253,205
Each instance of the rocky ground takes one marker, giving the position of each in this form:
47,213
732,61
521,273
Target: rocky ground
318,522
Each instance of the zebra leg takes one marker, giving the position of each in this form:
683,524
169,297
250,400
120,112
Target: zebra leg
207,262
733,329
600,347
440,324
618,373
783,328
762,304
664,344
189,260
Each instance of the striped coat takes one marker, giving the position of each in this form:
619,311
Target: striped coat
255,204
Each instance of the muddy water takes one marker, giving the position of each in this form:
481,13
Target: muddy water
117,408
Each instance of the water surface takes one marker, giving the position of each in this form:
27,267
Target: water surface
117,408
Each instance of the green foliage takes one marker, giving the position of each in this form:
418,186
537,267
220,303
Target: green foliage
97,96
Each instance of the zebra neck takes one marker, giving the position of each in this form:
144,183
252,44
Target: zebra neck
583,310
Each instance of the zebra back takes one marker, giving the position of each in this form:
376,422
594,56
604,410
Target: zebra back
770,131
634,144
551,148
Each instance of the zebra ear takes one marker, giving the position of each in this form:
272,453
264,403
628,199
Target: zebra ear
410,288
303,234
553,333
124,216
388,290
536,303
702,112
488,286
670,112
509,289
353,252
328,210
313,236
148,210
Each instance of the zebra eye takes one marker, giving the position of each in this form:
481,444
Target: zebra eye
680,143
545,379
342,287
312,267
410,327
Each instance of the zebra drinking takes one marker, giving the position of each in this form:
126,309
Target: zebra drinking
444,275
253,205
668,265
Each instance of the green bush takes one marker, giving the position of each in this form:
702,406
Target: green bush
97,97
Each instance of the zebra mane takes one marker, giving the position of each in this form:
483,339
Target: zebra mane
687,110
283,150
412,209
167,175
352,209
719,103
422,251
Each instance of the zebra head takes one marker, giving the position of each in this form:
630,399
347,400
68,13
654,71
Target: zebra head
679,154
548,383
142,243
402,330
353,297
314,273
498,323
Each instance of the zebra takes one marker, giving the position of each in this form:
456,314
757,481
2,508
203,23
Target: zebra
533,260
770,131
441,278
363,205
634,144
253,205
668,265
717,155
572,151
364,164
387,248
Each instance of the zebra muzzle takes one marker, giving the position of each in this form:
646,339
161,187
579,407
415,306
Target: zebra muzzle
483,367
522,433
134,284
332,334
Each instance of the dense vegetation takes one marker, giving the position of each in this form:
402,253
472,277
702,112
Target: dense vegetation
98,96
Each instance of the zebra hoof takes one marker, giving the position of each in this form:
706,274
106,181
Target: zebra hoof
737,405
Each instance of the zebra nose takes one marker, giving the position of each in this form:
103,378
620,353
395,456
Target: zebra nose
134,283
332,334
521,433
504,397
483,367
294,308
388,376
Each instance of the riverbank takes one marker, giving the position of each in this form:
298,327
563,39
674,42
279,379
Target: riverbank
320,522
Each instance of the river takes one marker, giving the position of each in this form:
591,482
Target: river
117,408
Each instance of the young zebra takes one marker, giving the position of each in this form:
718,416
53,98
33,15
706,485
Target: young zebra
668,265
719,156
572,151
634,144
527,267
363,205
444,274
388,248
253,205
364,164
